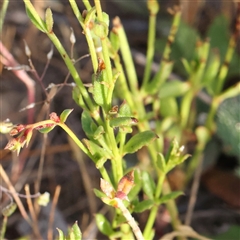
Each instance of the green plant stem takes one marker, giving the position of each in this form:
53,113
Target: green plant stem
3,228
225,66
124,90
154,210
217,100
87,32
117,160
150,48
3,13
83,148
87,4
171,205
203,56
186,107
73,71
172,34
127,58
99,9
74,138
210,117
194,161
172,208
104,174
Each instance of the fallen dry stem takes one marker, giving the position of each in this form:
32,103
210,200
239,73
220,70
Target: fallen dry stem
51,216
32,212
15,195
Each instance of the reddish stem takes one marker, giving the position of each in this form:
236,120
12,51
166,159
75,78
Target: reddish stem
8,60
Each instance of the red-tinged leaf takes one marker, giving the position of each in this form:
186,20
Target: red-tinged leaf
17,129
107,188
45,129
126,183
121,195
64,115
28,134
14,145
54,117
138,141
137,185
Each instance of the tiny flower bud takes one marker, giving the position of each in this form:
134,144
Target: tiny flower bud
107,188
27,49
50,53
72,37
54,117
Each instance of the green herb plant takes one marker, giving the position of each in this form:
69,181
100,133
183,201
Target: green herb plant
116,130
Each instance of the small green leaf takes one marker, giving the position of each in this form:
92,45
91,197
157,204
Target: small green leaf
153,6
203,134
96,151
124,110
34,17
100,162
49,20
61,235
174,88
144,205
9,209
174,155
64,115
138,141
186,65
77,97
75,233
99,91
210,75
161,162
170,196
46,129
100,29
169,107
105,18
103,224
110,201
98,193
149,186
123,121
88,125
98,133
114,41
90,16
160,77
